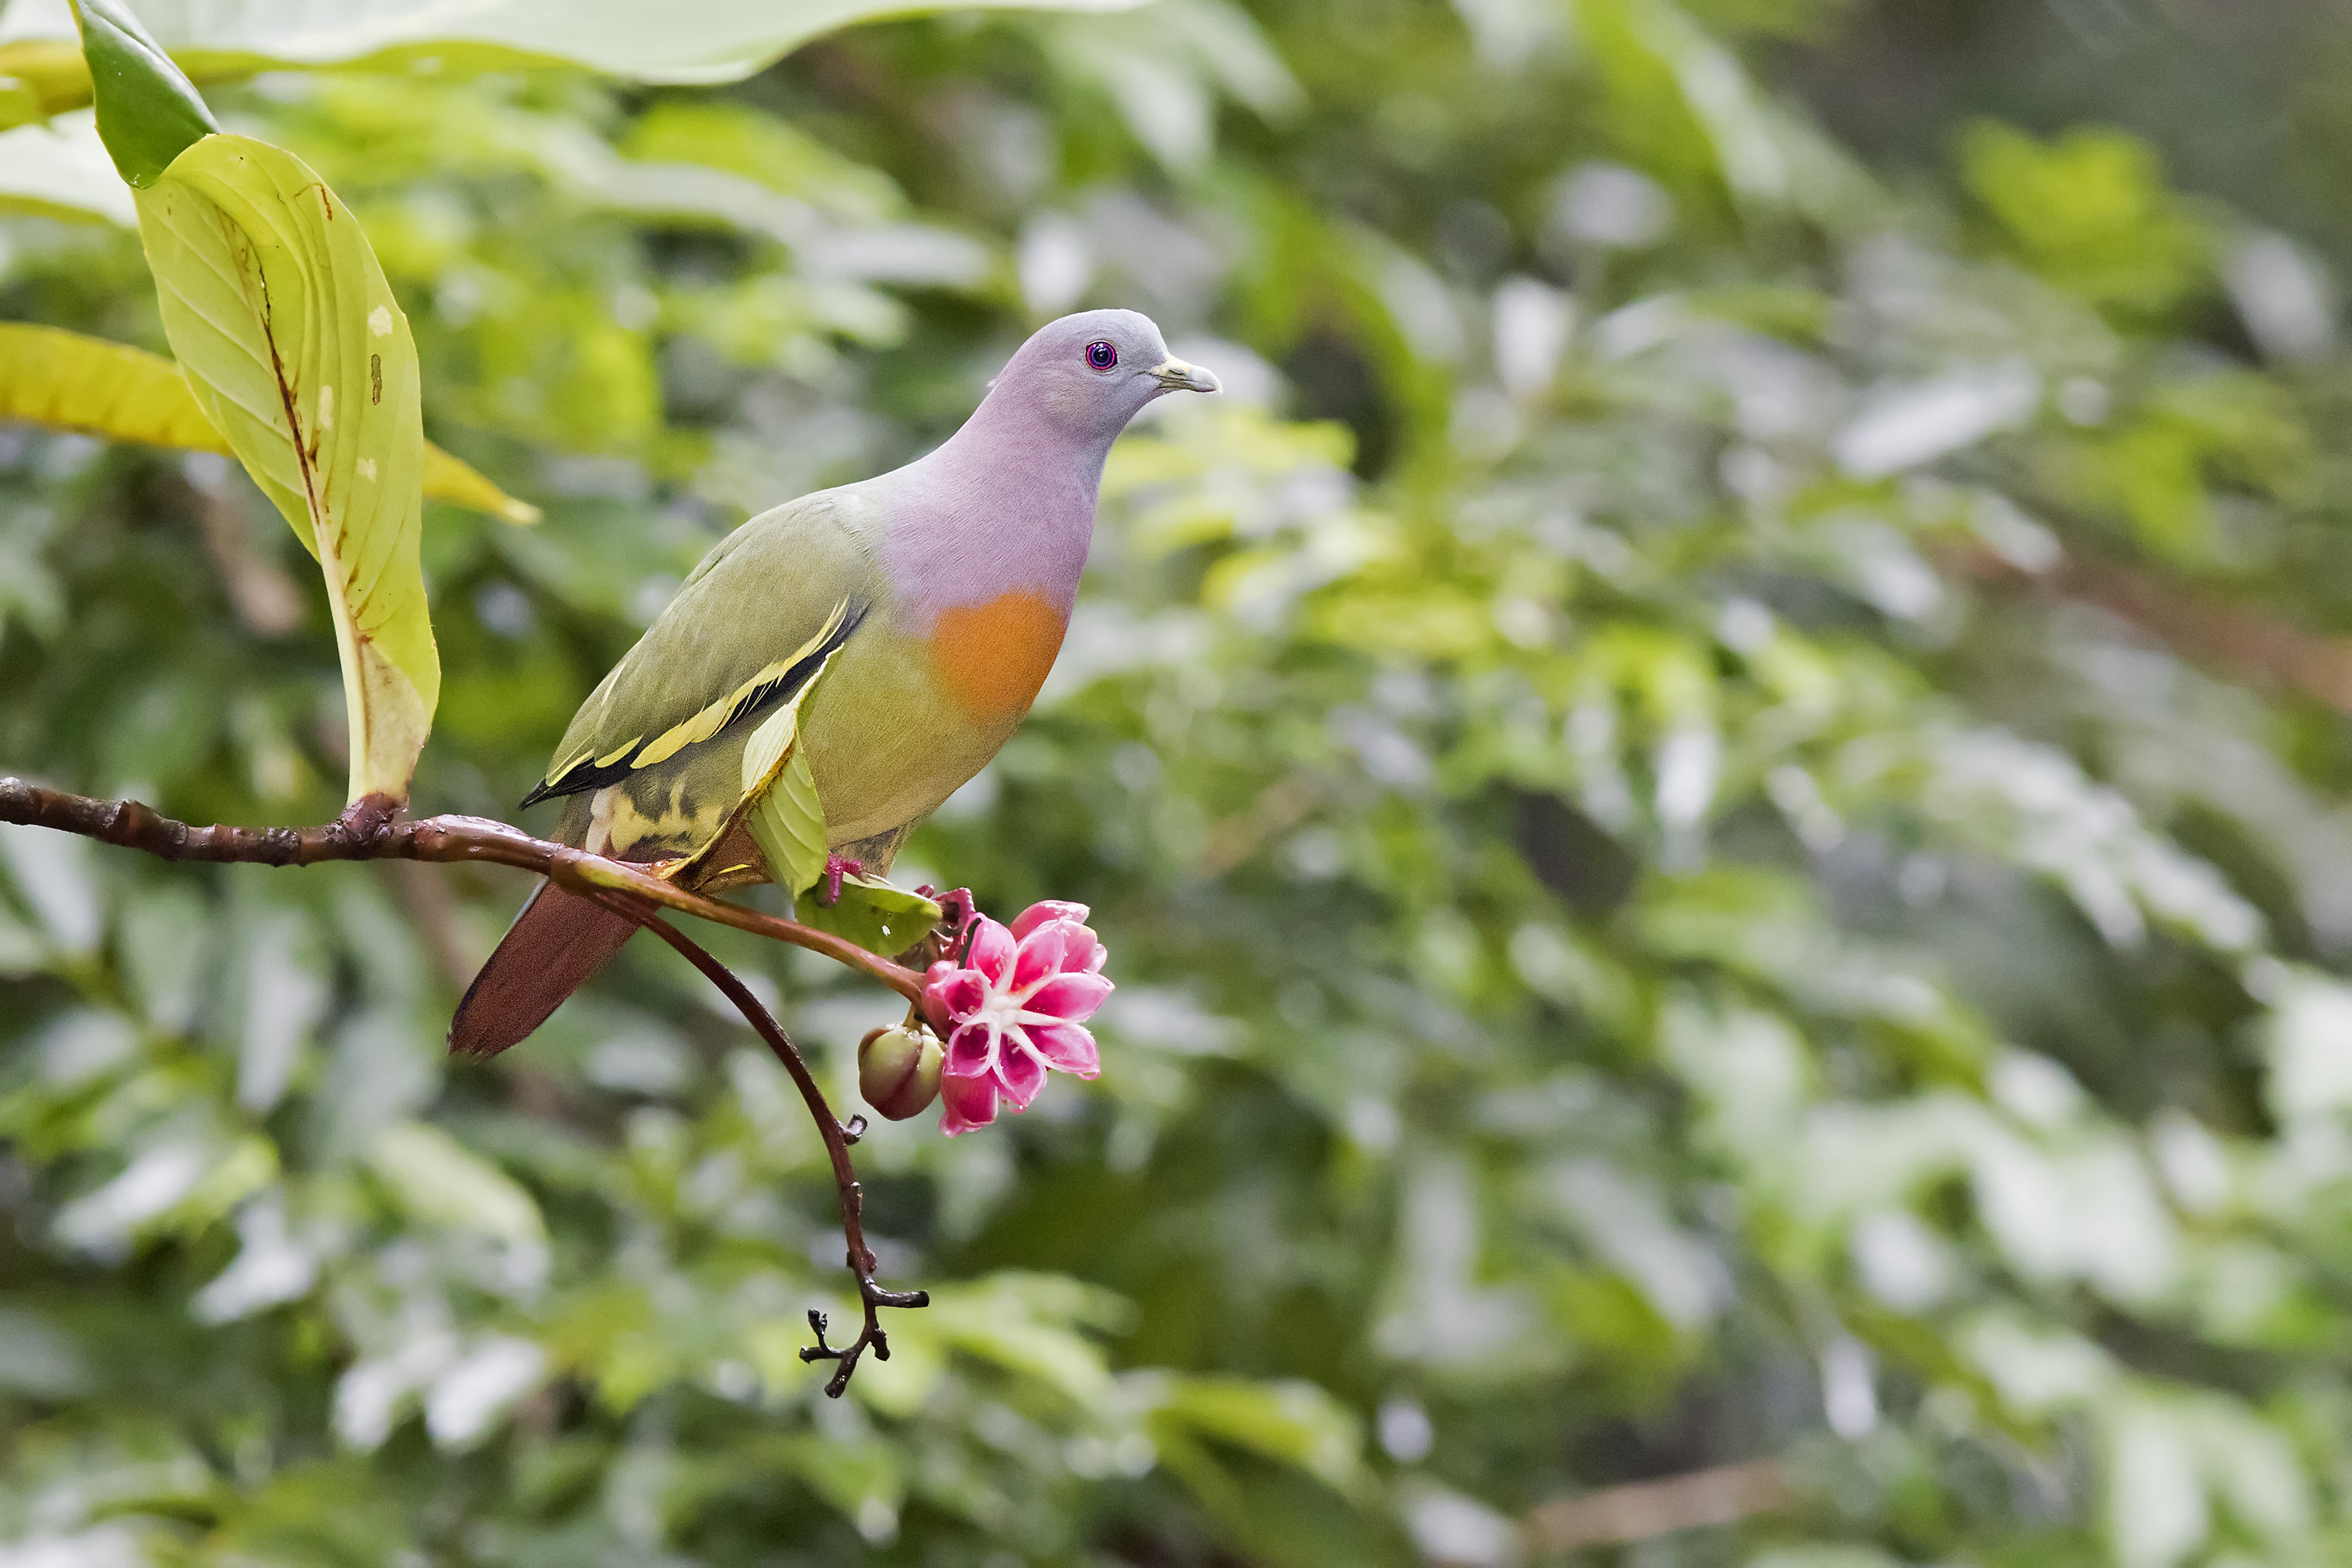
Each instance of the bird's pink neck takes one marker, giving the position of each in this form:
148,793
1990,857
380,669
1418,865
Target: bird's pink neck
1006,505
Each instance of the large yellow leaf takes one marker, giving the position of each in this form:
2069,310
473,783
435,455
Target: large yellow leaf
294,347
71,382
68,382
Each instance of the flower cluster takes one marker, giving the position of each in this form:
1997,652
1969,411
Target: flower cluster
1016,1007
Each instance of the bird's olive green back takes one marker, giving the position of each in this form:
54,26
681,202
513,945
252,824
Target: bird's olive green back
656,749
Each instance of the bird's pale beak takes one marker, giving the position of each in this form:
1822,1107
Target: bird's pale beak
1175,376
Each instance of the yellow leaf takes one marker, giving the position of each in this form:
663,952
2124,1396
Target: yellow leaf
454,480
70,381
294,346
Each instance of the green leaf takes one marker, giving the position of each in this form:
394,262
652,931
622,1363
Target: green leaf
721,40
148,111
68,381
782,813
441,1180
872,913
1291,1423
788,824
2090,211
296,350
40,77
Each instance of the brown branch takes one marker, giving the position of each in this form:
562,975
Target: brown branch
837,1140
368,830
431,910
1725,1495
1234,839
265,597
2247,643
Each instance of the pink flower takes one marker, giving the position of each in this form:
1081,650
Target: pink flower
1017,1007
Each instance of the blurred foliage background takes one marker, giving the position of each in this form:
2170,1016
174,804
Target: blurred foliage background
1717,789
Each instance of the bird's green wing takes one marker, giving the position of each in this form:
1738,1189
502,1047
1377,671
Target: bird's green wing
656,747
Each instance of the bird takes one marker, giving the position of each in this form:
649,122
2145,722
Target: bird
934,598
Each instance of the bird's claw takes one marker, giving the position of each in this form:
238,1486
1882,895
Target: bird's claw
829,880
957,910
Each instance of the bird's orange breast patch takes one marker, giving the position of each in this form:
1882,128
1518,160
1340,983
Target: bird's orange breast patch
992,656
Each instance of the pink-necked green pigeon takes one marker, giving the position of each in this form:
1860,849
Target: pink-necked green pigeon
933,597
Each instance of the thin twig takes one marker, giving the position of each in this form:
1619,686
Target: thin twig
837,1140
369,830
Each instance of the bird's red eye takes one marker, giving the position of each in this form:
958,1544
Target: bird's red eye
1102,356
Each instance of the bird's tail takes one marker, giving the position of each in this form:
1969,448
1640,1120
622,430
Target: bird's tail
554,945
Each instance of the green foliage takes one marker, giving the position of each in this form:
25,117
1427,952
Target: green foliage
148,111
722,40
780,802
1640,945
2090,212
66,381
870,912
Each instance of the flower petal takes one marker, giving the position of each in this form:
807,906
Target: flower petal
991,950
958,992
1037,914
1019,1071
1068,1047
971,1050
966,1103
1040,955
1070,997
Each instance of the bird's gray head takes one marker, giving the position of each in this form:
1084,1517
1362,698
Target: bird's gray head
1089,372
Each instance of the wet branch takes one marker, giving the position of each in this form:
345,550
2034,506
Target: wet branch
370,829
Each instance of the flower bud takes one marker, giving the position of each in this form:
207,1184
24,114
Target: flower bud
899,1070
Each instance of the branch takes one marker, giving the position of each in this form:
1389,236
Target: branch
2246,642
369,830
1724,1495
837,1140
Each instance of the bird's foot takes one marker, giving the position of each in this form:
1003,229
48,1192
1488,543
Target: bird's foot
829,882
957,910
